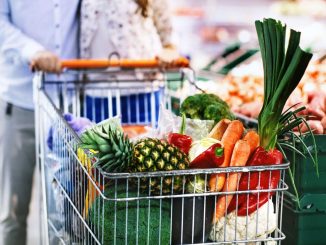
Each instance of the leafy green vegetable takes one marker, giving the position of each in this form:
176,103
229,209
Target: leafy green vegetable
152,217
206,107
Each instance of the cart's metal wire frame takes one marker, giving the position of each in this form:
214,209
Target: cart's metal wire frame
77,179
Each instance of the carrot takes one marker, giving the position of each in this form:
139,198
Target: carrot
239,158
219,129
253,139
232,134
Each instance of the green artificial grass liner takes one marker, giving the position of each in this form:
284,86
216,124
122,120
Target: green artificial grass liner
153,217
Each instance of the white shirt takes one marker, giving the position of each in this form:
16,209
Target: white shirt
109,26
27,27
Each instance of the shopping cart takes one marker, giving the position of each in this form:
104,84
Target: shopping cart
85,205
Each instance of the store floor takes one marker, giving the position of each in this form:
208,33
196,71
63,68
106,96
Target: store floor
33,236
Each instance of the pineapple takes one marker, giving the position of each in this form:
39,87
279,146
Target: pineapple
155,155
116,153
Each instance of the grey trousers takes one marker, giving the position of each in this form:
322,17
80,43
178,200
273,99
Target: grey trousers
17,162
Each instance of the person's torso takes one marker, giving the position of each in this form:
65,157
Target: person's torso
54,25
116,26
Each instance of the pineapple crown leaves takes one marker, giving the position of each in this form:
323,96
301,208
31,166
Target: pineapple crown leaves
112,145
97,135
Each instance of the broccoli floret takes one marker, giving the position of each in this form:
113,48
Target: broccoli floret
206,107
192,107
212,99
217,112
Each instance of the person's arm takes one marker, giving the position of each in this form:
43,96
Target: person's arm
162,17
15,46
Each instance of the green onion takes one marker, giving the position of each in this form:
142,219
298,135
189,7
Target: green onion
282,73
283,70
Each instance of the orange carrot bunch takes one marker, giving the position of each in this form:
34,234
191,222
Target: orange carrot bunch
237,151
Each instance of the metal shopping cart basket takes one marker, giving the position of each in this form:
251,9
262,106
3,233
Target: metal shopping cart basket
85,205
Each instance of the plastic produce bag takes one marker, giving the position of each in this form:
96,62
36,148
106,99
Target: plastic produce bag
196,128
78,124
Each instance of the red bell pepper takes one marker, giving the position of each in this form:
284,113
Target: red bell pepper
183,142
248,207
180,140
252,181
211,158
253,204
249,181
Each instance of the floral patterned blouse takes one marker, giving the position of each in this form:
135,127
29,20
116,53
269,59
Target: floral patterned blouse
109,26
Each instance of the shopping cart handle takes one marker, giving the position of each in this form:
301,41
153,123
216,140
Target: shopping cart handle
123,63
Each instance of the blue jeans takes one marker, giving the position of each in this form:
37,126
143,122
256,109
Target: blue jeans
135,108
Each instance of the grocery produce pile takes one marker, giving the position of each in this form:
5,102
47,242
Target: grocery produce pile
243,91
229,144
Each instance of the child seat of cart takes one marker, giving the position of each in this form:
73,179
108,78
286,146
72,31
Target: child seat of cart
134,99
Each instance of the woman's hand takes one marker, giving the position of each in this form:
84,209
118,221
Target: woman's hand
167,56
45,61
